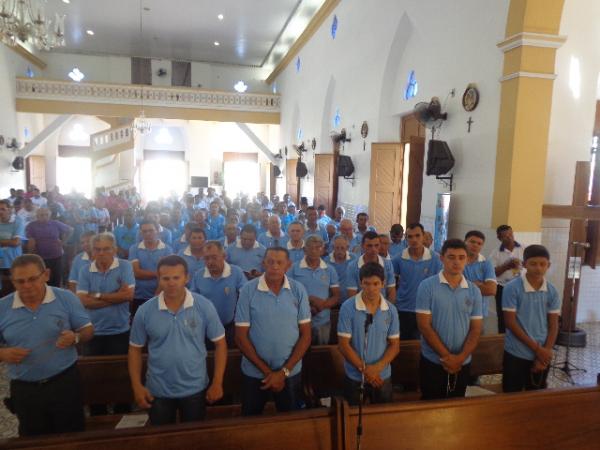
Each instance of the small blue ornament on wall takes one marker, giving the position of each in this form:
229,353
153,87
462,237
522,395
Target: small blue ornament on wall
337,118
29,72
299,134
334,26
412,87
298,64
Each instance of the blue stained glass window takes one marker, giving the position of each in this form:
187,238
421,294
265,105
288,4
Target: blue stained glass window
298,64
334,26
337,118
412,86
300,134
29,72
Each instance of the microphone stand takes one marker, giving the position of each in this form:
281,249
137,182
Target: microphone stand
361,397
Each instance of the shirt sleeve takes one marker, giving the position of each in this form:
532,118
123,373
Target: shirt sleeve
394,329
510,297
214,328
74,270
128,276
424,299
303,305
390,279
78,316
138,336
477,311
344,326
83,280
241,279
333,277
242,310
554,303
133,253
29,231
489,272
63,228
352,276
19,230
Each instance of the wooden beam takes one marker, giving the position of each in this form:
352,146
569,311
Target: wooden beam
20,50
312,27
43,135
571,212
260,144
119,148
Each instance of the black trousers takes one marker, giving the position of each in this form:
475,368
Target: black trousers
55,266
375,395
105,345
501,325
52,406
436,383
517,375
254,398
164,410
408,326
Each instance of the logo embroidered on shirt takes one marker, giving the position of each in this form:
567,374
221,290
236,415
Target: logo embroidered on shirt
226,290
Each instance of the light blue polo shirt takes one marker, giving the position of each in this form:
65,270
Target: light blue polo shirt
113,319
319,231
194,264
286,220
180,244
353,273
164,234
342,272
273,321
451,313
81,260
176,349
217,225
223,291
532,308
411,273
126,237
39,330
148,259
247,260
396,248
354,245
482,270
351,324
296,254
15,227
267,240
317,282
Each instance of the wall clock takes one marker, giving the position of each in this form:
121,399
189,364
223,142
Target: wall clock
470,98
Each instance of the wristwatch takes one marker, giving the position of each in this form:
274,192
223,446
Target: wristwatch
285,371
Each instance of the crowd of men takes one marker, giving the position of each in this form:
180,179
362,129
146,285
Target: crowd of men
183,276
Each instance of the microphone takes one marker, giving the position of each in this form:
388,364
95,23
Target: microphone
368,321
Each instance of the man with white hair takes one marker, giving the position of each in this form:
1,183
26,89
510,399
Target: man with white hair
274,236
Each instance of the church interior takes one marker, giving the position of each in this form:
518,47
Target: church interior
444,117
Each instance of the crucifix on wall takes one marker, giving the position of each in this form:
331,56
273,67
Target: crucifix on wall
470,122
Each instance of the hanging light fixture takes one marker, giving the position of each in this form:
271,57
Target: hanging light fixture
25,21
141,124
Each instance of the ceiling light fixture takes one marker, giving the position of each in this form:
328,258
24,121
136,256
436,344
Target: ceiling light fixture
240,87
90,32
76,74
220,17
217,43
25,20
66,1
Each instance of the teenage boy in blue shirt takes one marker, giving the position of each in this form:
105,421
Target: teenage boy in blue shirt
449,317
382,336
398,242
531,307
174,325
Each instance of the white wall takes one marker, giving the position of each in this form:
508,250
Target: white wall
110,69
363,72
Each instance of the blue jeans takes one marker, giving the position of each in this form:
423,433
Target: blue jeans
254,398
191,409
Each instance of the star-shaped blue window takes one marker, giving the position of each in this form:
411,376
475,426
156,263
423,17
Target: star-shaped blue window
412,87
334,26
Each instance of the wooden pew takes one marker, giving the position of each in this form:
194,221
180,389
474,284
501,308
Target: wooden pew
309,429
551,419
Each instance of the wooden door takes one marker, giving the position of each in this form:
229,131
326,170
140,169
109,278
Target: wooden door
415,179
385,189
36,171
324,181
291,182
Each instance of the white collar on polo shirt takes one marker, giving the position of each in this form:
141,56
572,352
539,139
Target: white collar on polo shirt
359,303
113,265
182,238
48,297
304,264
281,235
226,271
85,257
361,261
426,254
480,258
529,288
238,243
160,245
332,257
262,283
463,282
290,246
187,303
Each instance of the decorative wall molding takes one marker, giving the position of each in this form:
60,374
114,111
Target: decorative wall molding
531,40
545,76
109,138
162,97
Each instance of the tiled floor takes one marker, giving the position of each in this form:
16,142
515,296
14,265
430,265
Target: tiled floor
587,358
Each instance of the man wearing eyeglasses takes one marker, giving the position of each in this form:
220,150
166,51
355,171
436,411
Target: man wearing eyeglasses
39,328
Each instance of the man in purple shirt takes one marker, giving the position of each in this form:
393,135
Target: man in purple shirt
46,238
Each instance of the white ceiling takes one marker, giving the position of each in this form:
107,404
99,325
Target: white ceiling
178,29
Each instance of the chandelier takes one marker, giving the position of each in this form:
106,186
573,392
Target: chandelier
25,21
141,124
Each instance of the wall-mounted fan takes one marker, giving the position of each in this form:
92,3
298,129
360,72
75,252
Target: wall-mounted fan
340,137
430,115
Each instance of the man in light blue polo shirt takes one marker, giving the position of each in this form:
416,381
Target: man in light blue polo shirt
340,258
81,259
295,245
39,328
216,220
12,230
126,234
346,229
174,325
321,283
481,273
220,282
144,259
370,245
412,266
449,316
193,253
274,236
368,316
272,331
231,235
398,242
247,253
531,307
313,228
